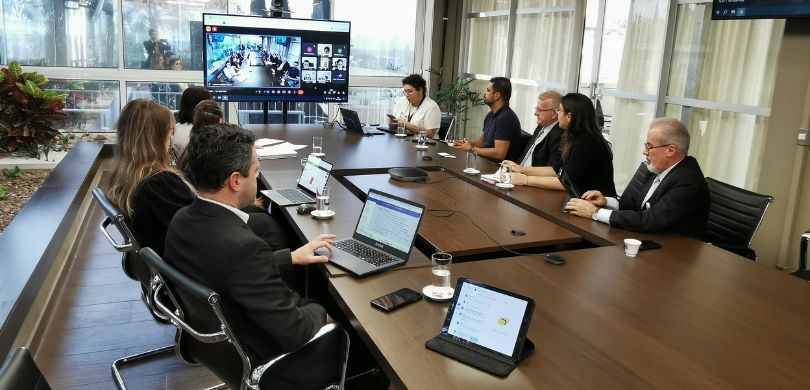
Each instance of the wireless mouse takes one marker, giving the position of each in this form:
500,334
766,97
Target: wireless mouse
554,259
304,208
427,158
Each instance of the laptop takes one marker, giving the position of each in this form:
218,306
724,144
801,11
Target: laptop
571,189
383,237
486,328
353,124
313,178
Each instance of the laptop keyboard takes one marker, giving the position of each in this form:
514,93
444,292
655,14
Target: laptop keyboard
294,195
365,252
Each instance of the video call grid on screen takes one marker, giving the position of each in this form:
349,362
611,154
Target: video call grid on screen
253,59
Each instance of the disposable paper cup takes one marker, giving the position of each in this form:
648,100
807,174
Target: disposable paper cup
631,246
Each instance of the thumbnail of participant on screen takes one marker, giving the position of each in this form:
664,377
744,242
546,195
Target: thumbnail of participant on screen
292,77
338,64
339,50
339,77
308,76
309,63
324,77
325,49
309,49
324,65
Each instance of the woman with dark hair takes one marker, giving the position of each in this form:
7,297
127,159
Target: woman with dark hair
148,189
207,112
416,110
587,158
185,116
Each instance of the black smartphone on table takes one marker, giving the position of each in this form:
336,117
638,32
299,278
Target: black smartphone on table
648,244
395,300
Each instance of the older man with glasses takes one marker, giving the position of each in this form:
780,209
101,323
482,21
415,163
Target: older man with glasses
543,148
669,195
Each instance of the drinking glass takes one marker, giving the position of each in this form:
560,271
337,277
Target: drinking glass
303,163
317,146
422,138
471,161
322,199
400,127
440,271
506,175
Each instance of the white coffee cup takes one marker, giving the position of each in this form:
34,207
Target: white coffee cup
631,246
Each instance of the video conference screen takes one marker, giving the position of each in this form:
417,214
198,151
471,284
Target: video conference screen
760,9
250,58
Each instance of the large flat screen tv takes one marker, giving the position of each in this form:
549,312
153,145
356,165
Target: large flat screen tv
760,9
250,58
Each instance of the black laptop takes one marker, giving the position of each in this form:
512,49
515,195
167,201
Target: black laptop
353,124
313,178
383,237
486,328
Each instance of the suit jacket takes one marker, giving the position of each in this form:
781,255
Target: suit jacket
547,153
212,245
679,205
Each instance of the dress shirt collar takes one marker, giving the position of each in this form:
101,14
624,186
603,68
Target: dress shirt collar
549,127
662,175
239,213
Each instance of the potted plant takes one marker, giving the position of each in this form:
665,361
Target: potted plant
29,115
454,97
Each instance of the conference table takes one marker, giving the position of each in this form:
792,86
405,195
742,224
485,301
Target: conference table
688,315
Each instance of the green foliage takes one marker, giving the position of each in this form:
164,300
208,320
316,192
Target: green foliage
12,173
29,115
3,193
454,96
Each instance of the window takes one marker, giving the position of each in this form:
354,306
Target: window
91,105
78,34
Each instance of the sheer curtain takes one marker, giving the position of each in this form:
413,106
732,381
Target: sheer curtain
639,72
728,62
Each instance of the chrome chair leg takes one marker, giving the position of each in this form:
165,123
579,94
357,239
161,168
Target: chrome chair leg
118,364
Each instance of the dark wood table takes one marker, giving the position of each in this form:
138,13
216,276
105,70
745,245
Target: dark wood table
688,315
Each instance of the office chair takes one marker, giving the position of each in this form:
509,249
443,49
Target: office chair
135,269
211,331
734,217
19,371
802,271
445,125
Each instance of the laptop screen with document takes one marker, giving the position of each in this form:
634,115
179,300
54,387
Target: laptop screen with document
388,221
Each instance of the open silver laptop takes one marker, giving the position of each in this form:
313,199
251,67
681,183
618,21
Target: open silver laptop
383,237
313,178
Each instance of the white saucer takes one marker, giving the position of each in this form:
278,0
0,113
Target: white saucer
505,186
421,146
438,294
471,171
318,214
400,135
318,154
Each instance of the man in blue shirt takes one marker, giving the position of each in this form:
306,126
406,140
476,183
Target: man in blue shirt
500,138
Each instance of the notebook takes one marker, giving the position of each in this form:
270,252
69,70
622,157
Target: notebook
313,177
353,124
570,188
486,328
383,237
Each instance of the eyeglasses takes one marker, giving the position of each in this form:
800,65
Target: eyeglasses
409,91
539,110
648,146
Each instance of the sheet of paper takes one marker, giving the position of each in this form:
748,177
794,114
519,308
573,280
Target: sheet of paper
262,142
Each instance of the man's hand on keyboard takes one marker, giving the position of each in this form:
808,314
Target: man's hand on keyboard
306,254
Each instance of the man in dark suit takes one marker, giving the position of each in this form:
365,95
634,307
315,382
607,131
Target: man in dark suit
543,148
155,46
671,197
211,242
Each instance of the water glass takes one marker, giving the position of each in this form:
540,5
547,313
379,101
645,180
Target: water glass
400,128
441,272
506,175
322,199
422,138
303,163
471,161
317,145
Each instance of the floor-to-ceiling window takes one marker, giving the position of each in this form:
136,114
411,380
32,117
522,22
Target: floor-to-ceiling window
99,51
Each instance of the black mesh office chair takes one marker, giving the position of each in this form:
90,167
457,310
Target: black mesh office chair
136,269
445,125
802,271
734,217
214,325
19,371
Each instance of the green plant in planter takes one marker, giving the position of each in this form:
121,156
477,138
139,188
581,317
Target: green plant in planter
12,173
454,96
29,115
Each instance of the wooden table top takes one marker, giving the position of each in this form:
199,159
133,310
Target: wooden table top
688,315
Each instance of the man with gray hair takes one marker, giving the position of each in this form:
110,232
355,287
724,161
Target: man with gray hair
668,195
543,149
